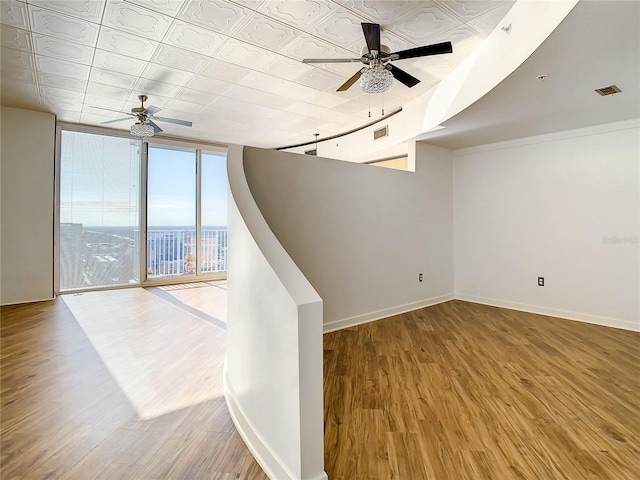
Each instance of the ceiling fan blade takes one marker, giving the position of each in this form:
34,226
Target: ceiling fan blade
402,76
156,128
186,123
330,60
435,49
351,81
112,110
114,121
150,110
372,36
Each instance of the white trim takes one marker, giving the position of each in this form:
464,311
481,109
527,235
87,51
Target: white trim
23,302
260,450
552,312
551,137
388,312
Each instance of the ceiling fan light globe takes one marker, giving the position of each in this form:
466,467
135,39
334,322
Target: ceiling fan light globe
142,130
376,79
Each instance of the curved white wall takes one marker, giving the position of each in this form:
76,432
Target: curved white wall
273,370
361,234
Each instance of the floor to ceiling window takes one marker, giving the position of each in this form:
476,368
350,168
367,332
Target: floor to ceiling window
99,221
112,188
171,212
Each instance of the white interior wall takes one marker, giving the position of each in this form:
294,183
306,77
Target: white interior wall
564,207
361,234
27,198
273,368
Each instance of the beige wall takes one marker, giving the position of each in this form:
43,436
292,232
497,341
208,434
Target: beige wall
27,199
361,234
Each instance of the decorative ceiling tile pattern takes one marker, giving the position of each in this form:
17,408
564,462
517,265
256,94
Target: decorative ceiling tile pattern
232,67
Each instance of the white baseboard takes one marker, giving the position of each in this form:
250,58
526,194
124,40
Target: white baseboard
380,314
22,302
260,449
552,312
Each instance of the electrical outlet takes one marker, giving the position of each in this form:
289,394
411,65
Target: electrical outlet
419,277
541,281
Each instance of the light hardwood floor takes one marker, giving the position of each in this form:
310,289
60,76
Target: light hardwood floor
123,385
464,391
127,385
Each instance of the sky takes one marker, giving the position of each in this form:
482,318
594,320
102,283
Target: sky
100,183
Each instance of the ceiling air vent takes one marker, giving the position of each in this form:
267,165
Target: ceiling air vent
311,152
381,132
610,90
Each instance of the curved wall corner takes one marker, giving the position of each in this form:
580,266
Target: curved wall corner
273,369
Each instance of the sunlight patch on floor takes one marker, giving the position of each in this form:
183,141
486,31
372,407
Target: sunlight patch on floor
162,357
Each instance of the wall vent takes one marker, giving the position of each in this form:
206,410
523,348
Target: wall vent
610,90
311,152
381,132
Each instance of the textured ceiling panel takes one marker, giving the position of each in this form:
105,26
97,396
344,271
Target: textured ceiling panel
194,38
321,79
267,33
241,53
224,71
308,46
166,7
60,67
108,77
136,20
484,24
14,13
164,74
385,12
223,17
125,43
470,9
302,14
16,38
225,64
64,83
54,47
118,63
179,59
63,26
86,10
341,28
425,22
108,91
208,84
26,76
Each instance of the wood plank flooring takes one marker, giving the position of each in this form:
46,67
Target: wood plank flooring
127,385
464,391
119,385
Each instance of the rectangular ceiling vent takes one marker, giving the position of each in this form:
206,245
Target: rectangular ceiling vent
610,90
381,132
311,152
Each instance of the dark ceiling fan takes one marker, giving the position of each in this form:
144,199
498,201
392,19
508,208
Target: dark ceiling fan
377,61
145,126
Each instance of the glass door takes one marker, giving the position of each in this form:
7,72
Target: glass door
172,216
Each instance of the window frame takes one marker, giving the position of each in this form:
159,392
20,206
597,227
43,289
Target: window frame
166,141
